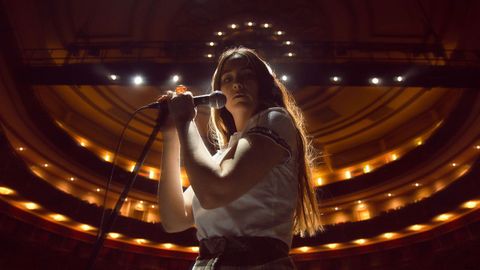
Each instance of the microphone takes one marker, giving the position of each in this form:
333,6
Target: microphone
216,100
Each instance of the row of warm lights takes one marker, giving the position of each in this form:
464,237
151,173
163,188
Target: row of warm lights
249,24
108,157
139,79
46,165
363,206
367,168
83,227
372,80
391,235
388,235
347,174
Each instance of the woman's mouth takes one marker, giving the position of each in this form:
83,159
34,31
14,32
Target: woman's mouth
238,96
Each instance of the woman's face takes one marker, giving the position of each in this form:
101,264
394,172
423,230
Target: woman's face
239,83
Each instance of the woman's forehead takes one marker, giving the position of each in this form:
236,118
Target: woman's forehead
235,61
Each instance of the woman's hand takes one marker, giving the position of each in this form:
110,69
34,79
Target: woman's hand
181,108
168,126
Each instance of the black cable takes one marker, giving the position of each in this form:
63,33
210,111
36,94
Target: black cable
107,187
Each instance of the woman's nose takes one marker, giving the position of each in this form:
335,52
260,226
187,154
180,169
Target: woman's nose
237,86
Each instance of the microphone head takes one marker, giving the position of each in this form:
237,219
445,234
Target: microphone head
217,99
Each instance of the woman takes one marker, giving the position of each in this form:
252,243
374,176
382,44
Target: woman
248,199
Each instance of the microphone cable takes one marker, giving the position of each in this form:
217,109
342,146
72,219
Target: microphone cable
112,170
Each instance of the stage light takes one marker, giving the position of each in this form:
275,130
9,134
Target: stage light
141,241
290,54
6,191
211,43
332,245
348,174
470,204
477,147
284,78
31,206
72,179
113,77
416,227
375,80
250,24
195,249
304,249
219,33
266,25
209,55
367,169
138,80
417,184
168,245
58,217
21,149
454,164
319,181
233,26
399,78
394,156
98,190
86,227
279,33
287,42
443,217
175,78
114,235
335,79
360,241
388,235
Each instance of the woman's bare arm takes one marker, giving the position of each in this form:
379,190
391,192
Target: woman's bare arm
215,185
174,205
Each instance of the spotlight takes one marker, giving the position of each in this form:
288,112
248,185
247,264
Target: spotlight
209,55
375,80
113,77
287,42
290,54
219,33
279,33
175,78
233,26
250,24
211,43
266,25
399,78
138,80
284,78
335,79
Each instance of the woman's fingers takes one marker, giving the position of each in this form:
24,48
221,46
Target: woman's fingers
181,107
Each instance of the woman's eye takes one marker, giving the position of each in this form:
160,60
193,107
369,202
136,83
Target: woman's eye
226,79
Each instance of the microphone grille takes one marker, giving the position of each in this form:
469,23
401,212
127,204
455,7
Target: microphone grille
217,99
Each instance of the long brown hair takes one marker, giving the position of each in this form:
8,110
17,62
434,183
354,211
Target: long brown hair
273,94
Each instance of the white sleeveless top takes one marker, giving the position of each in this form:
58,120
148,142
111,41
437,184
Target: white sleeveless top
267,209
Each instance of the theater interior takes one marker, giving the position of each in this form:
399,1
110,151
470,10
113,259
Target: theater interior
389,90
